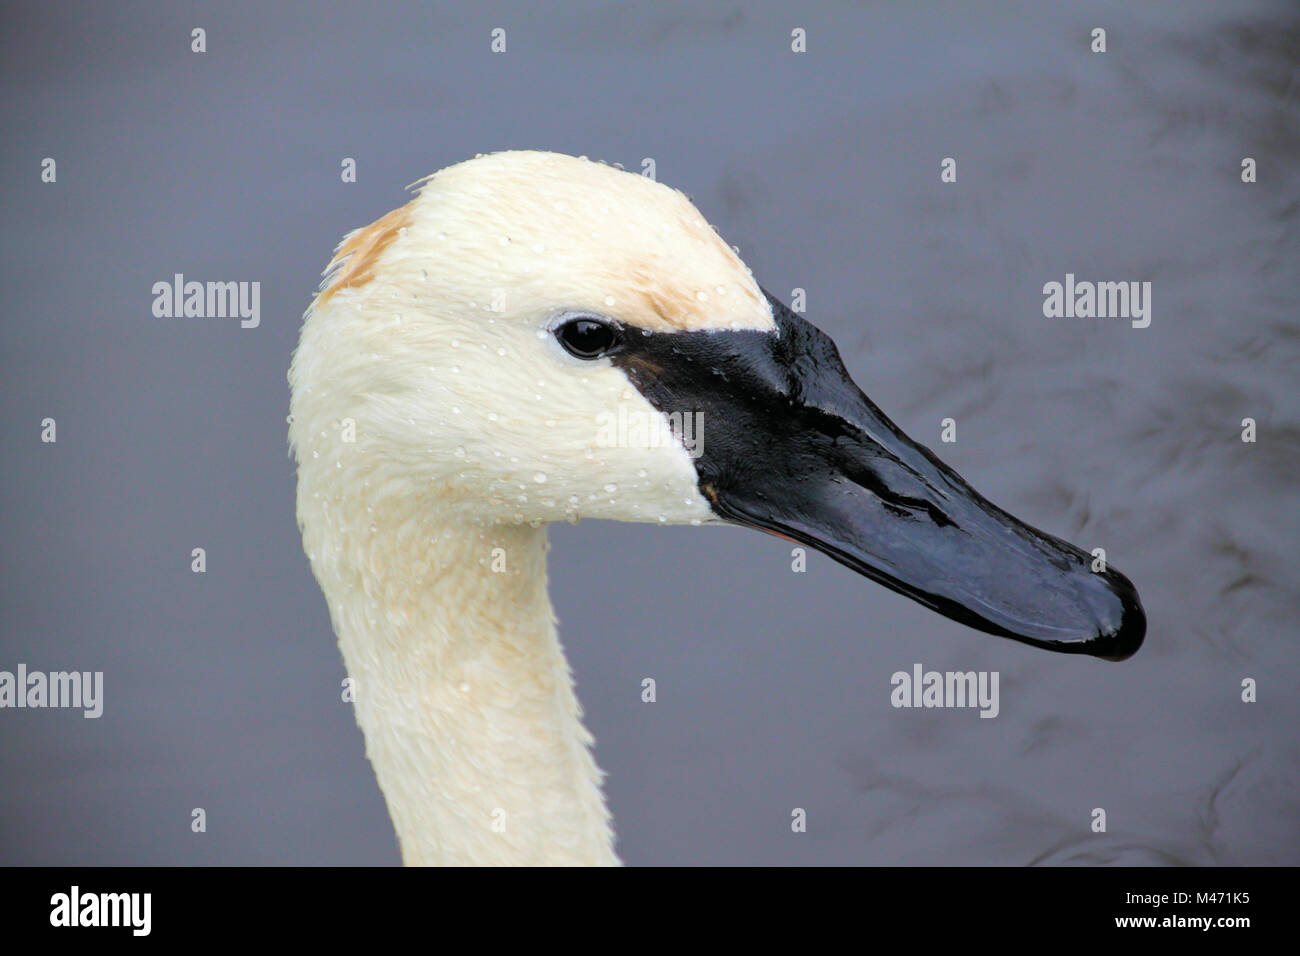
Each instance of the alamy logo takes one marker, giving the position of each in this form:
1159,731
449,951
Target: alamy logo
24,688
922,688
208,300
1101,300
76,908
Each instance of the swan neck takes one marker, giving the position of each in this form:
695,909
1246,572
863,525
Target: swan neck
463,693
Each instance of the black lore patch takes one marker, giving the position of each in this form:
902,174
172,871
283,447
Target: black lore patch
774,404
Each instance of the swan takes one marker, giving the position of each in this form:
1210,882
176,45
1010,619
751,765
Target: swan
527,340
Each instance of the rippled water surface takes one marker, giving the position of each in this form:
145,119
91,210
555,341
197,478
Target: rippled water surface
222,689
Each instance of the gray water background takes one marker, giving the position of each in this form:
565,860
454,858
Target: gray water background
222,689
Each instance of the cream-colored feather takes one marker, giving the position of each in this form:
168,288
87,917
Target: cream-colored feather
438,427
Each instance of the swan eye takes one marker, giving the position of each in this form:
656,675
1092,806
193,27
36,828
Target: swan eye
587,338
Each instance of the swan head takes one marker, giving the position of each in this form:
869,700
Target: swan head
536,338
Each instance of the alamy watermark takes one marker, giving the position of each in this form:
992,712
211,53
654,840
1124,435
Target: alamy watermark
75,689
208,300
1073,299
922,688
630,429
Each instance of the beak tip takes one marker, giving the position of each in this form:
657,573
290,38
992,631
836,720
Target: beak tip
1121,641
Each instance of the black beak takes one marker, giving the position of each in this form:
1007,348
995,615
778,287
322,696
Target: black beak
793,447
